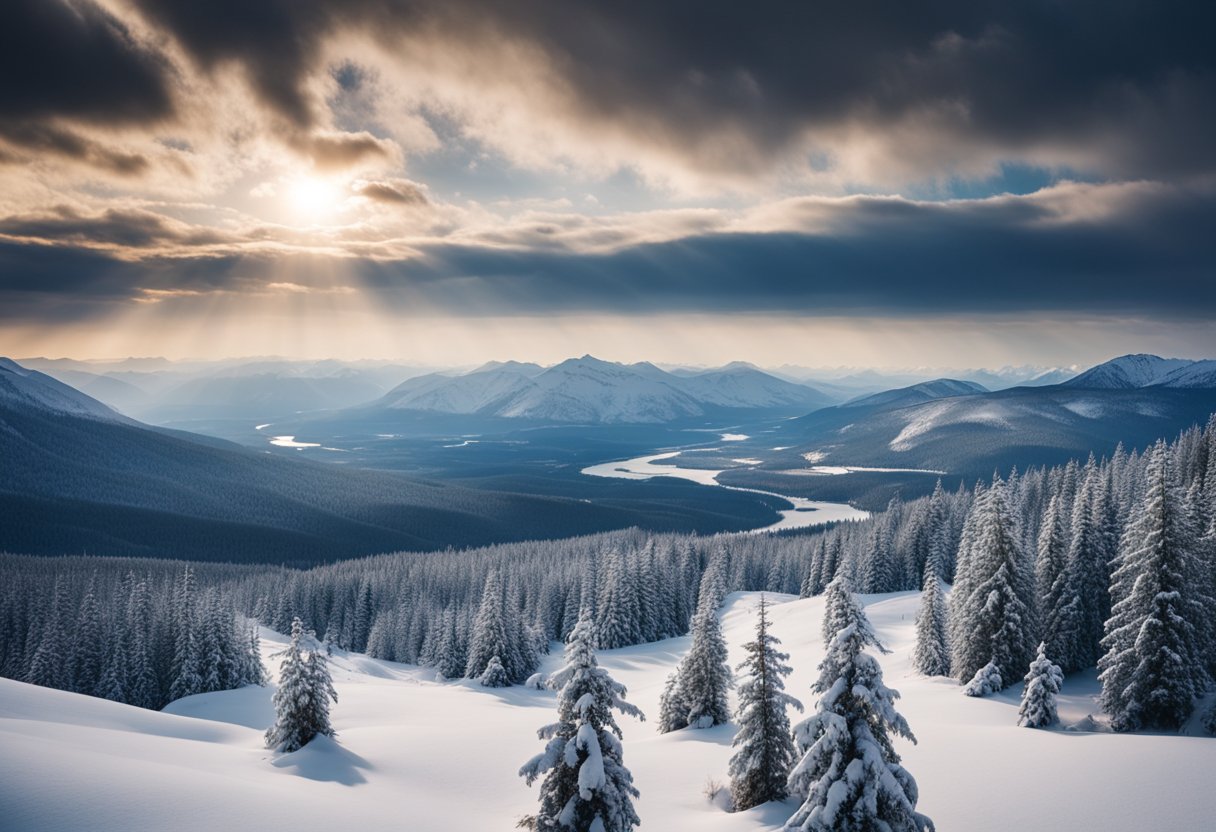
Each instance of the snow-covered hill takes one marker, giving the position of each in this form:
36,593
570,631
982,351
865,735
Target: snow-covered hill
1130,371
20,387
1197,374
590,390
940,388
417,754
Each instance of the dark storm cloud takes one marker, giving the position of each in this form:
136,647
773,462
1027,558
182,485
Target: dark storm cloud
1123,89
126,228
1144,253
1129,86
882,257
76,61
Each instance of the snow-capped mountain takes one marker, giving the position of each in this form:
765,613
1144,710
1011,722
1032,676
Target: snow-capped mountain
940,388
588,389
1197,374
1131,371
20,387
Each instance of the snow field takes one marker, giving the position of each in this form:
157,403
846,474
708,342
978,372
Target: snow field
417,754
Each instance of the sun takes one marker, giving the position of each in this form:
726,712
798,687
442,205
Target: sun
314,197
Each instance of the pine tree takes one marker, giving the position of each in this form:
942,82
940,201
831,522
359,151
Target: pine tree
849,775
495,675
761,764
991,607
932,653
704,673
986,681
586,787
1154,665
301,702
673,710
88,653
1043,680
496,632
1052,586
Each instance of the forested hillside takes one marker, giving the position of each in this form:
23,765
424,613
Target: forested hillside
1066,550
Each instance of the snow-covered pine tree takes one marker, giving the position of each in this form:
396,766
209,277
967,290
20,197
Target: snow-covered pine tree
932,653
839,608
496,632
849,775
301,702
761,764
704,673
1051,582
495,676
586,787
88,649
991,607
1154,665
986,681
673,711
1038,708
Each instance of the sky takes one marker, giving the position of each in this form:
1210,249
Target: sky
870,183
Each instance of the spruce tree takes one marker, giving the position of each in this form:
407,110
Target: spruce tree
704,673
673,711
761,764
1154,665
586,787
932,653
301,702
991,608
849,776
1043,680
495,676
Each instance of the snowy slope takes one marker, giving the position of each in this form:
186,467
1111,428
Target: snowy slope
940,388
1129,371
20,387
426,756
1198,374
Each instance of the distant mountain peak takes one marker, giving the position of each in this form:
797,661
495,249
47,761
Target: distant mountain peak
938,388
1127,372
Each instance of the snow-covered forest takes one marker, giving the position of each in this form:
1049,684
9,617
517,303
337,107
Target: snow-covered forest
1078,557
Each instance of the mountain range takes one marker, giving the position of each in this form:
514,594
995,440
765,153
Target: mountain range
961,428
590,390
79,477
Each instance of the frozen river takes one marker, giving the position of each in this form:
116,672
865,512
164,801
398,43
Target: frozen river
804,514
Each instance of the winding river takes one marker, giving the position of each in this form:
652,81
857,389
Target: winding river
804,514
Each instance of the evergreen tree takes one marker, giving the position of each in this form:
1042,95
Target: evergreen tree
88,656
1043,680
1154,665
991,607
761,764
932,653
673,710
586,787
497,631
301,703
1052,584
495,675
850,776
986,681
704,673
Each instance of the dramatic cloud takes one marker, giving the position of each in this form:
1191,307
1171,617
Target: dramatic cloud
482,158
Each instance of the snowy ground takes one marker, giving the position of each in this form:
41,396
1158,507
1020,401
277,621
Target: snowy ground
420,755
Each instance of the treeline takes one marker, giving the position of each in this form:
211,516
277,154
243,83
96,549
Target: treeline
1051,543
143,638
1111,564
